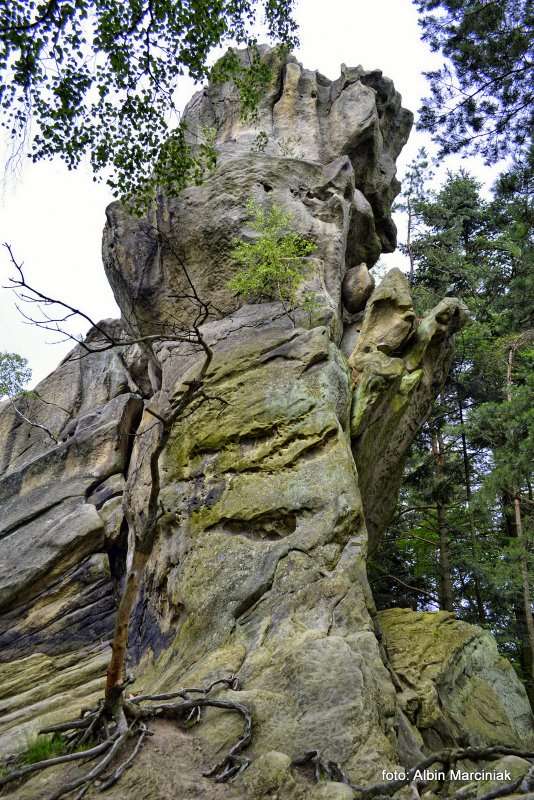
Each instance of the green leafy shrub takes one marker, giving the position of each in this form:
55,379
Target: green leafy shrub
272,267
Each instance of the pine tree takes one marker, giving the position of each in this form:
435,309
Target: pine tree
461,539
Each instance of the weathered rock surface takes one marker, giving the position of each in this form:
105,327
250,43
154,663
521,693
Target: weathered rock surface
306,116
398,367
272,486
57,593
262,550
358,285
458,690
144,259
338,184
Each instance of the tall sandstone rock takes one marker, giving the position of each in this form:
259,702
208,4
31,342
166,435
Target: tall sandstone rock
271,493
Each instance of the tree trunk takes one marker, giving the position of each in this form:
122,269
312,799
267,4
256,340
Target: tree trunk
481,614
526,596
116,667
142,517
528,630
409,240
525,653
445,583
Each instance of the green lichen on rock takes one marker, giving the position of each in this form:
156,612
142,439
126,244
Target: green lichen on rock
457,686
262,555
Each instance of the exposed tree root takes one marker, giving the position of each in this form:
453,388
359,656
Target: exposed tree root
233,763
329,770
109,738
448,758
112,736
87,755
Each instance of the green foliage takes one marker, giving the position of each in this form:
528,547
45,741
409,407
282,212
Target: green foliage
481,99
97,78
14,374
415,181
177,166
481,250
41,747
272,265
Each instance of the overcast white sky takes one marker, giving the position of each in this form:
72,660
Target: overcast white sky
53,218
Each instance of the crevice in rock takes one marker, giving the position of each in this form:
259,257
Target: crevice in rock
117,553
127,434
254,598
333,610
259,593
279,91
271,526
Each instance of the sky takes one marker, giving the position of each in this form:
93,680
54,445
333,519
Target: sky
53,218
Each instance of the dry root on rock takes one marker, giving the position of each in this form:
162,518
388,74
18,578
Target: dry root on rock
109,737
330,770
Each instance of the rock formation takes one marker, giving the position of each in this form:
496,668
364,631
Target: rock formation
271,492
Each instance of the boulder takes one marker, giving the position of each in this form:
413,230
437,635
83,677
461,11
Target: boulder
358,286
458,690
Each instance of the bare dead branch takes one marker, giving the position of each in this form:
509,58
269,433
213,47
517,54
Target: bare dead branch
33,424
37,296
156,415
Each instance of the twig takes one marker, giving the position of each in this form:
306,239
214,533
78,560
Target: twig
28,421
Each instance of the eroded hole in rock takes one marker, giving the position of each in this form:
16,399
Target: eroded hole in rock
272,526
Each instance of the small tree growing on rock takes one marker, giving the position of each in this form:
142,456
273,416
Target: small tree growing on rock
272,266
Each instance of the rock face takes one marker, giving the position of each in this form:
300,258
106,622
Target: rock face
57,594
305,116
274,482
329,159
457,688
398,367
